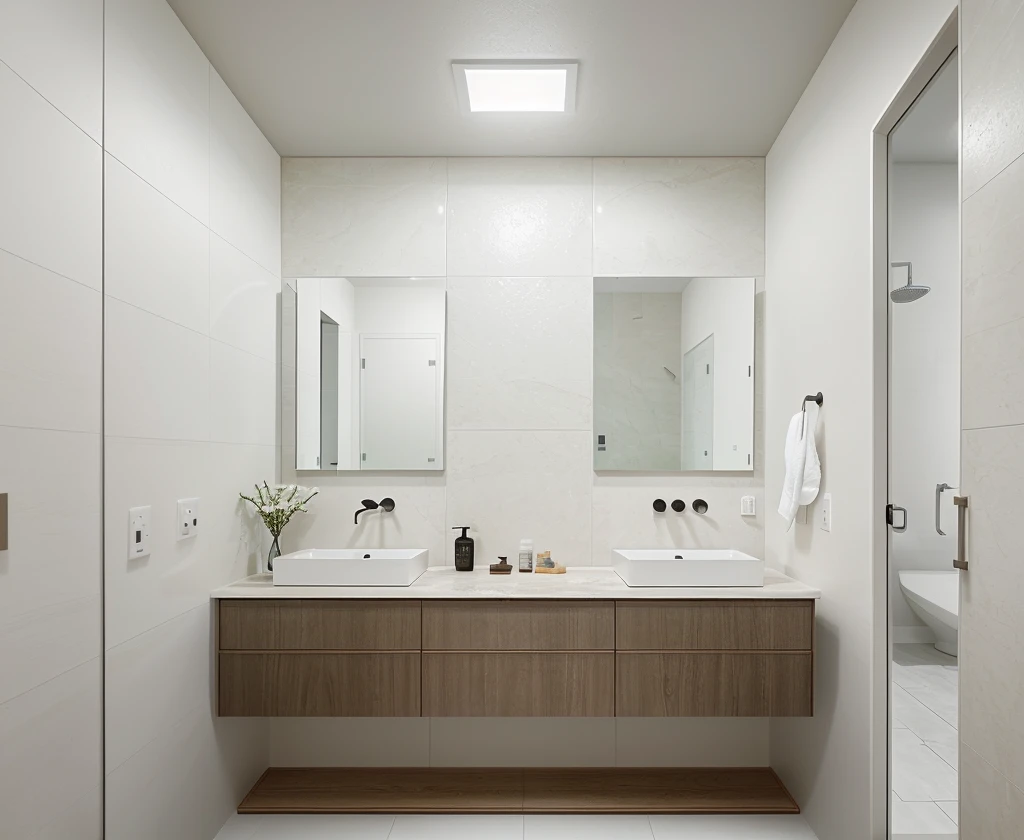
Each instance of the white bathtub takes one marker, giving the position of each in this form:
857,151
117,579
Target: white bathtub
935,598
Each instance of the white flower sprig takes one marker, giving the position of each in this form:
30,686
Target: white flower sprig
277,506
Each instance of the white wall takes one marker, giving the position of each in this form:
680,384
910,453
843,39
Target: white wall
724,306
924,427
519,241
820,337
192,200
51,66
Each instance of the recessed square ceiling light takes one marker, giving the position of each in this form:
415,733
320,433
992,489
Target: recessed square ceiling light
515,86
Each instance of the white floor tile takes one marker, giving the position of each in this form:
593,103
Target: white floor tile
457,827
918,718
731,828
918,774
917,818
307,827
951,810
586,827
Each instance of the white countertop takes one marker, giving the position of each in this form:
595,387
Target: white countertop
579,582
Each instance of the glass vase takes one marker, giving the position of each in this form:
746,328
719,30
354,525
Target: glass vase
275,552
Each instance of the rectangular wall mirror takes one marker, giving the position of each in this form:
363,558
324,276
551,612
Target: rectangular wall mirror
673,374
369,373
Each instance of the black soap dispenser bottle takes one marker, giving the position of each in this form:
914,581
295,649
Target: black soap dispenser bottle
463,550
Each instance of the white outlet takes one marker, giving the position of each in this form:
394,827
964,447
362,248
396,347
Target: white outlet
188,518
748,506
138,531
825,515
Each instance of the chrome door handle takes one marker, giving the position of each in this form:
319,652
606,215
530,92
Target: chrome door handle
890,517
961,533
938,507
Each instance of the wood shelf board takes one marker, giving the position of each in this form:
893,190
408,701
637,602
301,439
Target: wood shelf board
329,790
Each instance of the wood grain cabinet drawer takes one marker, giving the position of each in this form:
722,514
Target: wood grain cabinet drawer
319,625
713,684
524,684
320,684
714,625
518,625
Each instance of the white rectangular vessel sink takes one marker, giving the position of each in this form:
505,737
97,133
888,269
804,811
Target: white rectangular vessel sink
687,567
350,567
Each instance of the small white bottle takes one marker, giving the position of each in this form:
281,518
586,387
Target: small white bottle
526,556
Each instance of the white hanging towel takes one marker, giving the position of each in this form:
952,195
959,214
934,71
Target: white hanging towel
803,469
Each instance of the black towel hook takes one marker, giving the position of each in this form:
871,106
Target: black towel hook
815,398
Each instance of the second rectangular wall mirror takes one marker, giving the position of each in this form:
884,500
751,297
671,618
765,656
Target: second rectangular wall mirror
369,373
673,374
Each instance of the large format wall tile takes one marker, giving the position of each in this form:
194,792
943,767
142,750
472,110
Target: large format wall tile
520,216
157,376
52,186
510,485
245,180
50,349
685,217
349,742
243,301
157,101
992,90
157,256
693,742
522,742
368,217
991,808
57,47
243,388
50,752
520,353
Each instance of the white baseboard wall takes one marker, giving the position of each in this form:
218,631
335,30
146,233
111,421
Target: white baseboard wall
913,635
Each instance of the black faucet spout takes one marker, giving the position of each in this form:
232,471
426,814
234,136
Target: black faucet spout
368,504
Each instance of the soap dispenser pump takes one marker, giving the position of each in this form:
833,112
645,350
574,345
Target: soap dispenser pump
463,550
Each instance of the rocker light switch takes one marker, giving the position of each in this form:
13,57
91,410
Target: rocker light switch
138,532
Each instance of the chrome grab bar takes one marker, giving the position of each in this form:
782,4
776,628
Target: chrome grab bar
961,537
938,507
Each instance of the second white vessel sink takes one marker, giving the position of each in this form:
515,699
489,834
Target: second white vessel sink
350,567
687,567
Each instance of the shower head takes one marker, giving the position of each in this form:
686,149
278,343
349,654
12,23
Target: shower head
909,292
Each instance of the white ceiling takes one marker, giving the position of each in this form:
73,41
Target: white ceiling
656,77
929,131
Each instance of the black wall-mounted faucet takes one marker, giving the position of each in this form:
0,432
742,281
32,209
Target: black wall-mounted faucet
387,505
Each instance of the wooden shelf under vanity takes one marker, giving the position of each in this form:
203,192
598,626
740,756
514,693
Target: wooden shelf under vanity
516,658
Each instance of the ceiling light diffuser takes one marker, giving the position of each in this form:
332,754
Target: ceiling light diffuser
516,86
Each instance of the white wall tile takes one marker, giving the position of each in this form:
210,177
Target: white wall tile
157,376
57,47
242,393
992,90
50,751
990,806
685,217
157,101
510,485
50,349
350,742
520,352
50,211
520,216
369,217
691,742
82,817
624,516
522,742
243,301
245,180
157,256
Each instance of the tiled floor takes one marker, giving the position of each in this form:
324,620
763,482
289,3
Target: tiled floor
924,742
531,827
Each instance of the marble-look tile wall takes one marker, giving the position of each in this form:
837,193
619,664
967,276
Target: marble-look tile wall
991,621
519,241
192,279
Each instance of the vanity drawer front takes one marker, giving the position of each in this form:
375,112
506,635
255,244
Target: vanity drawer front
328,624
714,684
518,625
714,625
518,684
319,684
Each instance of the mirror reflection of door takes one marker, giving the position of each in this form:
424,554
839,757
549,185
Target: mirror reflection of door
699,406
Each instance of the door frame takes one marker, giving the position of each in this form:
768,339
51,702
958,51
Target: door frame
945,41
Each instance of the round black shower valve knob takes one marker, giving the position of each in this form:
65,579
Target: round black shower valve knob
700,506
659,505
678,505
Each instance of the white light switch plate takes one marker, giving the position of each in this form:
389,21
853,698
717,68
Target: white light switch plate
188,518
138,531
748,506
825,513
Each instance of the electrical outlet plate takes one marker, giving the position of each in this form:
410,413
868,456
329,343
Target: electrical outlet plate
188,518
748,506
139,519
825,513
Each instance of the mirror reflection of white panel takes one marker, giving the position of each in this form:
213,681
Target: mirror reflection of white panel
399,397
652,337
334,318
